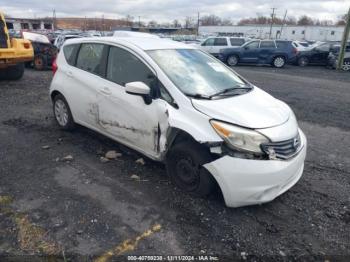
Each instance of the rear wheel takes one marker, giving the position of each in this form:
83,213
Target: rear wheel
62,113
303,61
15,72
232,60
185,166
279,62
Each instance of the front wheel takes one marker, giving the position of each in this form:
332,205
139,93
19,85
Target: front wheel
232,60
346,66
279,62
62,113
185,167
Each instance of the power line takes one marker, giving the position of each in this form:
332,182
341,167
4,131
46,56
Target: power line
283,22
272,20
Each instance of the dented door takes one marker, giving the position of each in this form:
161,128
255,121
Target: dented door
129,120
124,116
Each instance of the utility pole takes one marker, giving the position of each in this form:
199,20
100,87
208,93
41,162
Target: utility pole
139,22
283,22
103,23
272,20
198,19
54,19
344,43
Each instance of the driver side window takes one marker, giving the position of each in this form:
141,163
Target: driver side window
124,67
209,42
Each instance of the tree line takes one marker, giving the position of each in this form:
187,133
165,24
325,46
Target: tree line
213,20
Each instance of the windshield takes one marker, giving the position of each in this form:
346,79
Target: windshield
196,73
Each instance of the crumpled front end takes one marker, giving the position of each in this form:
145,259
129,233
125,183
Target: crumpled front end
249,181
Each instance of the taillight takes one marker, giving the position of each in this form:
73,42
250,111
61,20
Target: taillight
54,66
26,45
295,51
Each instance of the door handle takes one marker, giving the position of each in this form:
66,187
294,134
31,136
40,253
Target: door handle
106,91
69,73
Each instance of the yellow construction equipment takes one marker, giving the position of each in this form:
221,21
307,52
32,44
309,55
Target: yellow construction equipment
13,53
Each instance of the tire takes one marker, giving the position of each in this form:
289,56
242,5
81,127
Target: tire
184,165
232,60
15,72
279,62
303,61
62,113
346,66
39,63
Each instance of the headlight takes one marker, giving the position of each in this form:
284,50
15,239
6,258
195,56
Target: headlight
239,138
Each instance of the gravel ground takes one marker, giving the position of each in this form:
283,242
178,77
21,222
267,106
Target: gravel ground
85,210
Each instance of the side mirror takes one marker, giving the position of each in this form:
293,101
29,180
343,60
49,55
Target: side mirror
139,89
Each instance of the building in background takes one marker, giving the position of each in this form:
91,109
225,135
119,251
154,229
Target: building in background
308,33
29,24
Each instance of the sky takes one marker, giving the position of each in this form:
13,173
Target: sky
168,10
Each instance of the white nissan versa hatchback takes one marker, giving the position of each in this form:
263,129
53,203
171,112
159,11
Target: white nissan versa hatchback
177,104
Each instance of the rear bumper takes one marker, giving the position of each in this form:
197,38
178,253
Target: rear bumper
248,182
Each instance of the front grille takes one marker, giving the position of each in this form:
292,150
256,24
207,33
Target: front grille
284,149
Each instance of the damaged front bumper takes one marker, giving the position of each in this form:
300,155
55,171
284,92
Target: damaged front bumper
248,182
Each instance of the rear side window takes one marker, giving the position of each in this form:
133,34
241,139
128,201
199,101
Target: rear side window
70,53
220,42
90,58
124,67
267,44
236,41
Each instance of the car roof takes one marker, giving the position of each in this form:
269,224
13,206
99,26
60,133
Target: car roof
143,43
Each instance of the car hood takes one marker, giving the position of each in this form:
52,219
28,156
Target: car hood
256,109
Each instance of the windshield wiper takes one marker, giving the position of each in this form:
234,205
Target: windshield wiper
227,90
198,96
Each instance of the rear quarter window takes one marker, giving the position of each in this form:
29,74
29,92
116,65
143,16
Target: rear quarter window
90,58
267,44
70,53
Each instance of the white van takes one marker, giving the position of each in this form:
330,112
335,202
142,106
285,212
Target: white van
213,45
176,104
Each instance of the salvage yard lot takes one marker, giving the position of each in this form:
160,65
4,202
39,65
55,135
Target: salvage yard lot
84,207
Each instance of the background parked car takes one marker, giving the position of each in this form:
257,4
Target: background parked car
59,41
333,59
44,51
273,52
301,46
213,45
317,55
